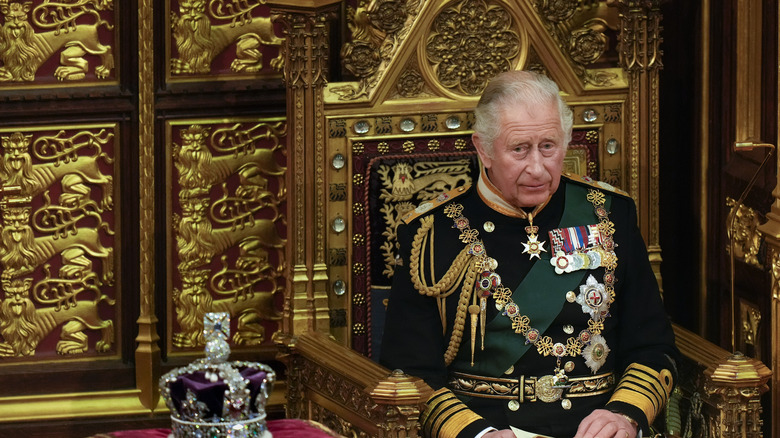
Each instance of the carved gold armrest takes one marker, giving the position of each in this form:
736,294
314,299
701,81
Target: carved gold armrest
348,392
722,391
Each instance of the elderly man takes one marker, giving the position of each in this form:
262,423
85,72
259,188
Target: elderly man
528,302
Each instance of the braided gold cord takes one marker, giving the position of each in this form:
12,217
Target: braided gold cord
450,278
460,316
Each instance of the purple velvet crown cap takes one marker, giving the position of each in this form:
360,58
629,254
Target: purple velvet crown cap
216,398
212,393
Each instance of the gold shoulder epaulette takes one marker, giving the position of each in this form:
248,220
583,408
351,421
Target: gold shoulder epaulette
586,180
433,203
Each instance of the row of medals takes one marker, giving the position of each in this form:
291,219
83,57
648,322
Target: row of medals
593,297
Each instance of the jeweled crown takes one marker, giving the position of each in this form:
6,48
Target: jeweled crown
214,398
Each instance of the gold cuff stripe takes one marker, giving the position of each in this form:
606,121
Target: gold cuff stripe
446,415
635,399
641,386
435,402
645,388
661,382
444,412
457,422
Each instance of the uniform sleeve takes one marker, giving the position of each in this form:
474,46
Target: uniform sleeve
414,342
646,351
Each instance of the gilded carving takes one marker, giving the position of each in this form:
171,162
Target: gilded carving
403,183
469,43
49,244
750,319
378,28
557,10
410,83
226,181
640,35
23,49
588,43
60,154
361,59
22,253
743,233
23,325
199,41
389,15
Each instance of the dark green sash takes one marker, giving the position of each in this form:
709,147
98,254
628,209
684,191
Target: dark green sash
540,296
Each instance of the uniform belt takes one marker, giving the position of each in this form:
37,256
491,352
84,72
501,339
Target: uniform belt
529,389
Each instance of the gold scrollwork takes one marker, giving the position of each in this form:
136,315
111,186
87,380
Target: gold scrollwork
71,226
246,216
750,319
199,41
469,43
378,28
588,43
23,50
23,326
744,233
405,182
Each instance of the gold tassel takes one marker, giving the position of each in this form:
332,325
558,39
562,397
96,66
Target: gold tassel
474,311
482,317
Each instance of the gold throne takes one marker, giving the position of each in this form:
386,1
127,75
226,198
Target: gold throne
364,151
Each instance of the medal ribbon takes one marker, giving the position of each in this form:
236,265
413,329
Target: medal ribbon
502,345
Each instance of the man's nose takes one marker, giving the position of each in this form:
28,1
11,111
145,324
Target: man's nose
535,162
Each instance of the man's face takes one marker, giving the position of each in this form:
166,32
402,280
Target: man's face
527,157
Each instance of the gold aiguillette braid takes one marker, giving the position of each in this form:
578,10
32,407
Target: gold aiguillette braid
463,263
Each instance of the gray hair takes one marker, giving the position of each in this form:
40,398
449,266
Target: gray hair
517,87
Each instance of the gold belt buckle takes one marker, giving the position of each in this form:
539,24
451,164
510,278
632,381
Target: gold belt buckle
546,391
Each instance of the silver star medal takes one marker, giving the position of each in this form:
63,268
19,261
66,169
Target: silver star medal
596,353
593,298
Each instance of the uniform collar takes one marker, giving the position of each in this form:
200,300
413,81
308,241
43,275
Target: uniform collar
493,198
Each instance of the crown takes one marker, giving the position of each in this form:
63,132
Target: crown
214,398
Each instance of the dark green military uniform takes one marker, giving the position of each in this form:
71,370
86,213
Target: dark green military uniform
637,374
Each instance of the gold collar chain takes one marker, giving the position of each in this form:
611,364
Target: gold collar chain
489,283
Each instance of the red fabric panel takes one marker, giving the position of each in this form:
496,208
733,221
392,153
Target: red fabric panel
286,428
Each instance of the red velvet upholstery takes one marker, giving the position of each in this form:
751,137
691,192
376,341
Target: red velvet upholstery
286,428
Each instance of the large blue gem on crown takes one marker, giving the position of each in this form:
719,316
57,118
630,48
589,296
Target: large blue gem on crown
214,398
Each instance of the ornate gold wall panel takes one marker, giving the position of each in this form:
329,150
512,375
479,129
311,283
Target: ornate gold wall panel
59,254
227,196
49,42
87,162
225,38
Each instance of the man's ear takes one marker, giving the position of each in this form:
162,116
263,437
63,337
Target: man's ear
479,145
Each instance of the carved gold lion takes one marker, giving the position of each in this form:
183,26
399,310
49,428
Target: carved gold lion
199,42
23,326
23,50
16,169
21,252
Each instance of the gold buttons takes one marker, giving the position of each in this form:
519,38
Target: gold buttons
489,226
566,404
510,370
571,296
513,405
